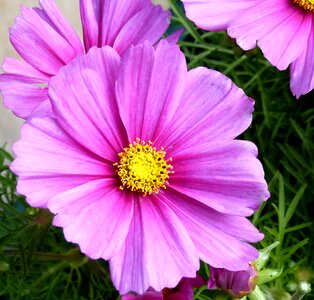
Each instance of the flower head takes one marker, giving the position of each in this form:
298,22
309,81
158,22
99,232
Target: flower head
46,42
282,29
141,167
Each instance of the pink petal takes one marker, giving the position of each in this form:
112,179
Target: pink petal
83,101
157,253
49,162
103,20
149,87
95,215
150,24
43,109
278,28
174,37
53,15
226,176
22,68
220,239
39,189
215,15
148,295
302,70
212,108
40,42
20,96
89,15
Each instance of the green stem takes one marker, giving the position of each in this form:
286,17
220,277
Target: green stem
186,23
45,256
206,47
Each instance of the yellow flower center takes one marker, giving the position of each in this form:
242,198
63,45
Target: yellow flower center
305,4
142,168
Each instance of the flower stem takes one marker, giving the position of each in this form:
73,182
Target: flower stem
186,23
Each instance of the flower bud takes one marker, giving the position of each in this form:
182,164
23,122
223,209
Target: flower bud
236,283
264,255
303,289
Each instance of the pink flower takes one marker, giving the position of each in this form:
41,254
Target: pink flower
183,291
283,29
46,42
237,284
141,168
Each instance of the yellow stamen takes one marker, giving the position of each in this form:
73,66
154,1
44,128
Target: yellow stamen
305,4
142,168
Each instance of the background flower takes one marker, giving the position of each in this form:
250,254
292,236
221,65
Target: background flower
46,42
103,108
282,29
183,291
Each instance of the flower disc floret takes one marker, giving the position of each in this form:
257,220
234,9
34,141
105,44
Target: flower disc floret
305,4
142,168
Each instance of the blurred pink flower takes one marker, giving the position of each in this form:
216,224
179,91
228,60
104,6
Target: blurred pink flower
237,284
183,291
104,165
282,29
46,42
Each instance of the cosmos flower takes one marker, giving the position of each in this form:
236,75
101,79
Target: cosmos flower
282,29
237,284
141,167
46,42
183,291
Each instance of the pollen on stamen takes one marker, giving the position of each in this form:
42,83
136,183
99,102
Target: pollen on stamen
143,168
305,4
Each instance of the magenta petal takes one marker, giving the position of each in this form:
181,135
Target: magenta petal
226,176
49,162
95,215
150,23
237,284
174,37
83,101
269,19
150,81
132,87
23,89
89,15
20,95
220,239
215,15
52,14
157,253
212,108
184,290
43,110
22,68
148,295
302,70
103,20
40,42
